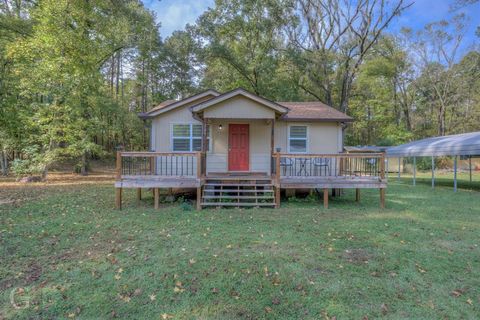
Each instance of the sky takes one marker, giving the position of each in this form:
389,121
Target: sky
175,14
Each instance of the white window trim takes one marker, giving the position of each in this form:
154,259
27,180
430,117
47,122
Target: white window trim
307,138
190,137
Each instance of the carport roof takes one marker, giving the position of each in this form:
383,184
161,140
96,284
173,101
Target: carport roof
466,144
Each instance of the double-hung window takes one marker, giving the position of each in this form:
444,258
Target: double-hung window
297,139
188,137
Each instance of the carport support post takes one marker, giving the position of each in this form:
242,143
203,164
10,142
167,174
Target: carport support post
470,167
399,159
433,172
455,174
414,170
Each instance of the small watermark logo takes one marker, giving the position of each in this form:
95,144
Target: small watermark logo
19,298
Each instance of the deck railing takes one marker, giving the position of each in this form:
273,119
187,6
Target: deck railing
329,165
165,164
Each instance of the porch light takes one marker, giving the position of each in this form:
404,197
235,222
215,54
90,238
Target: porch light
220,127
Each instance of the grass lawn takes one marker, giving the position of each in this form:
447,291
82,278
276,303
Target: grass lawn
66,253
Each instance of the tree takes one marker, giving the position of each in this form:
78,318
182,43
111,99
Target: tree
59,68
382,97
332,39
436,48
241,39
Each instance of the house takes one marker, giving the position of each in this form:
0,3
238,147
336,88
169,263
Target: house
240,149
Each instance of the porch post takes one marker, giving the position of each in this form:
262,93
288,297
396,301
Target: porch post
118,177
204,147
272,146
118,198
325,198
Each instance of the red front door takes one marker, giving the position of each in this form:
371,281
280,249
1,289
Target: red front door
238,147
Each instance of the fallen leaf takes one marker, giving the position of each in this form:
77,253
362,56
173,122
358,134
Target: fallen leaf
469,301
137,292
178,290
152,297
117,277
215,290
166,316
275,301
456,293
191,261
268,309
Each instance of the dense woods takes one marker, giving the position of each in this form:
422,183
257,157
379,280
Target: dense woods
74,74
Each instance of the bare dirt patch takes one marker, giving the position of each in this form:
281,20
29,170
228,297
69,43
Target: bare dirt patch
357,256
14,193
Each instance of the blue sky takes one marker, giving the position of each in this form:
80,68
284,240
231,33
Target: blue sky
175,14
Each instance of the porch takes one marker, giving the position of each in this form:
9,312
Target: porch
162,170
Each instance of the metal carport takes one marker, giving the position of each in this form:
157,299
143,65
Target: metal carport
465,144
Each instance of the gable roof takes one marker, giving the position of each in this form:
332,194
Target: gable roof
290,111
240,92
313,111
168,105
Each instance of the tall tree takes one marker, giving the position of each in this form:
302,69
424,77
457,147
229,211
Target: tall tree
436,48
241,38
332,39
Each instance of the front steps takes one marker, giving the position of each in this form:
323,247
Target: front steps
238,192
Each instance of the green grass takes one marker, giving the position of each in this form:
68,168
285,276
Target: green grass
73,255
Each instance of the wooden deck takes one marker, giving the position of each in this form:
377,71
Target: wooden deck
155,170
332,182
158,182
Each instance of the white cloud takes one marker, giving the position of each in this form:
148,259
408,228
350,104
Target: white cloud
175,14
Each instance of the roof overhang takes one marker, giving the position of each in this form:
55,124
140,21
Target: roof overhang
239,92
294,119
154,113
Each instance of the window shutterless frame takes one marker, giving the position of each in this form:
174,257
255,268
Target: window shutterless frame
190,136
289,138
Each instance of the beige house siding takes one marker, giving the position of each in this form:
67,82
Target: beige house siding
161,127
323,137
239,108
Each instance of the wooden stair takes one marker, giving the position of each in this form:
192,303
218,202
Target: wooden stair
238,192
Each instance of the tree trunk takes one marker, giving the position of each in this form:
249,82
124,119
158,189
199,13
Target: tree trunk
441,121
45,173
83,169
3,163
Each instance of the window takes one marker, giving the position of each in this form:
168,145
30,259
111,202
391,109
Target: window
188,137
297,139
